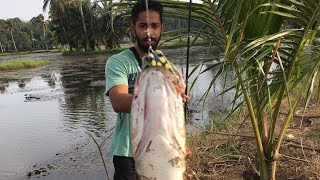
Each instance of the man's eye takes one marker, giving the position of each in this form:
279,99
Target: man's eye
155,25
143,25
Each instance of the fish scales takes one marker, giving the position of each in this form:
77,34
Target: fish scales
157,125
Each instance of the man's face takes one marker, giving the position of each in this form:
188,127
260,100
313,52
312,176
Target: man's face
140,30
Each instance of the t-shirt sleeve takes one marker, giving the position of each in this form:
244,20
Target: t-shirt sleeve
115,72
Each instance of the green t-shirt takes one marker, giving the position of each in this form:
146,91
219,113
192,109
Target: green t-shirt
122,69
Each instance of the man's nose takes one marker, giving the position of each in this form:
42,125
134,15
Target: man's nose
149,33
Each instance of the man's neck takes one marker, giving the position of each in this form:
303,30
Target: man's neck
139,51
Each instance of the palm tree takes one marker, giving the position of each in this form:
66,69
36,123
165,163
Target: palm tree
56,11
56,7
11,26
79,2
1,47
43,24
2,39
254,37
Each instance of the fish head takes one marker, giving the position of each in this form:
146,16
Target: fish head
156,59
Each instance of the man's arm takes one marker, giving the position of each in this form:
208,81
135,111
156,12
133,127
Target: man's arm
120,99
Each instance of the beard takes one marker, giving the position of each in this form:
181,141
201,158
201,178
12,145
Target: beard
144,47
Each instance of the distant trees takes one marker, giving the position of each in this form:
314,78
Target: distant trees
174,23
85,25
76,25
17,35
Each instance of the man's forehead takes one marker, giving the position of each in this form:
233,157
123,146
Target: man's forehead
153,15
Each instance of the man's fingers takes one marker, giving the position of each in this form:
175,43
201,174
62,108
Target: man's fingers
185,98
188,152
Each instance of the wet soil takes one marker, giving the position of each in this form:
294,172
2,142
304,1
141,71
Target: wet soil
80,161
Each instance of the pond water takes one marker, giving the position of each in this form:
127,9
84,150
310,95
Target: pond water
45,110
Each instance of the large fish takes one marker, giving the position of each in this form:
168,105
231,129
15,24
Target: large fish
157,121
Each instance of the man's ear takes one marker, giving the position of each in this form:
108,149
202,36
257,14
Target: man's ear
132,27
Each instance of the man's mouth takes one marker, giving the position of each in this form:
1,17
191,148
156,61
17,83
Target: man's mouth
147,42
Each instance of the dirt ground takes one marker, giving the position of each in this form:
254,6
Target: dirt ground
222,156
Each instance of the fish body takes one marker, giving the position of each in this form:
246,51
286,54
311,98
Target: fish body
157,125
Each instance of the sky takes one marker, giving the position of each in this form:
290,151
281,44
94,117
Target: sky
23,9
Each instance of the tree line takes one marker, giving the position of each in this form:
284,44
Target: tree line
17,35
75,25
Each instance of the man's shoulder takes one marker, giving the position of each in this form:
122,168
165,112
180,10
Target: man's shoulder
124,55
125,61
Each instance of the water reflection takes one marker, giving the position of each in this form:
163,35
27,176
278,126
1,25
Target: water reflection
51,79
84,98
47,109
3,85
201,106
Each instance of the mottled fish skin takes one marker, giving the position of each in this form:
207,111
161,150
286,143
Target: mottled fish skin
158,126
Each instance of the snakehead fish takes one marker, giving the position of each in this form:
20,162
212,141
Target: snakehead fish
157,125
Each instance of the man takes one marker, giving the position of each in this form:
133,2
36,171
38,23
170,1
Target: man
121,71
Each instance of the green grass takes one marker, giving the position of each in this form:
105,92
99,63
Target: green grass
28,52
96,52
176,43
164,44
22,64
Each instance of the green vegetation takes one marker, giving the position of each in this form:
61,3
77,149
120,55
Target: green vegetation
106,51
164,44
22,64
17,35
270,47
177,42
28,52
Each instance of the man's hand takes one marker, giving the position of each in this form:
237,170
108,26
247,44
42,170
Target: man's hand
188,152
180,86
185,97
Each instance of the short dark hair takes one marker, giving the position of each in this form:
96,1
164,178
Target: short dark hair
140,6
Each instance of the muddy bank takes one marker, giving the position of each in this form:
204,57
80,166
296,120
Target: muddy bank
80,161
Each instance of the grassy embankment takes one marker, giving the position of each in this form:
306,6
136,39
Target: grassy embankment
176,43
166,44
29,52
22,64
